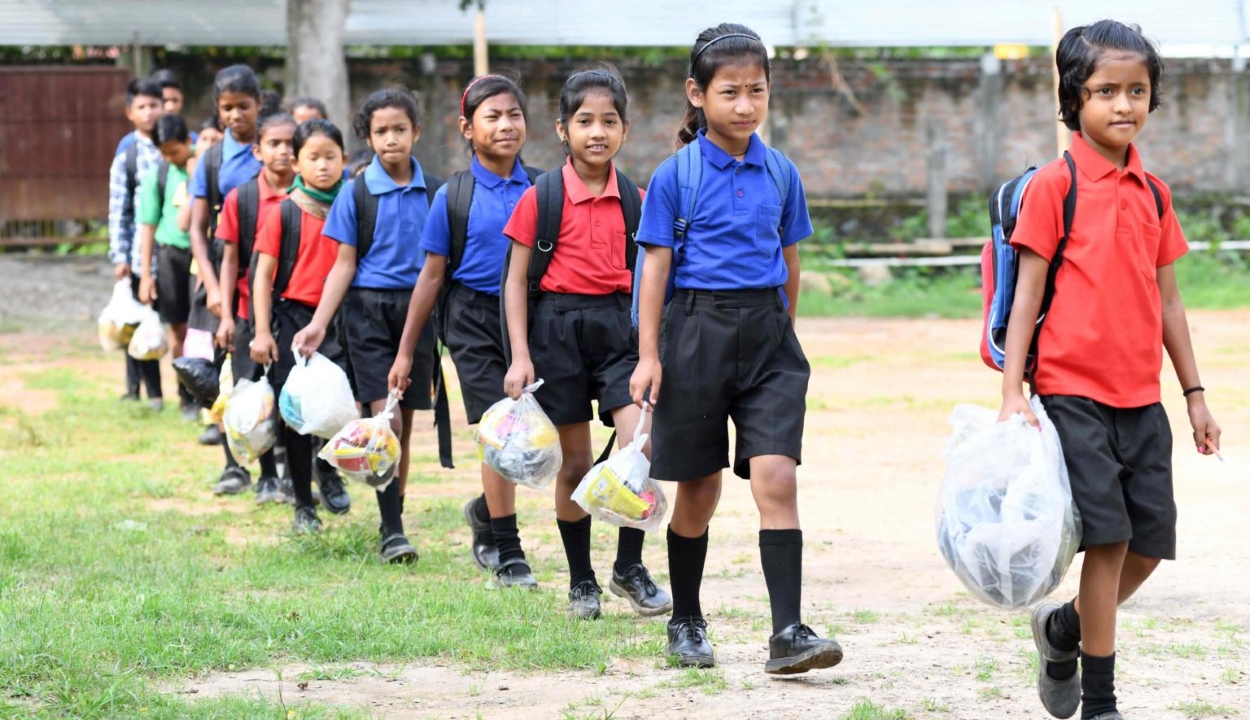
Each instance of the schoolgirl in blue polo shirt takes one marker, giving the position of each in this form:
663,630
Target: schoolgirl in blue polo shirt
375,289
465,298
236,96
729,350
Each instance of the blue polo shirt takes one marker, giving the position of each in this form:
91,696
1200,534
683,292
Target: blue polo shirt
395,258
238,165
485,246
732,242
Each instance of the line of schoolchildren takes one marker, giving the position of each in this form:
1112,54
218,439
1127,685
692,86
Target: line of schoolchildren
385,257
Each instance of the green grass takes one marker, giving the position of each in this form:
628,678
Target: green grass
868,710
1202,709
103,597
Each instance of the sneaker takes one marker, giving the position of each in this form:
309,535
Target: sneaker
333,495
636,586
210,436
267,491
515,573
234,480
396,549
1061,698
485,552
306,520
190,412
797,649
688,645
584,600
131,395
156,404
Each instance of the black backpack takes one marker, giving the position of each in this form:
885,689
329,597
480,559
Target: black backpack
288,251
248,200
212,179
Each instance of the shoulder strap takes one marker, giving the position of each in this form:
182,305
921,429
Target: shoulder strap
689,175
550,200
212,173
289,251
248,200
432,184
1052,273
366,216
631,208
779,171
1154,190
459,200
132,176
532,173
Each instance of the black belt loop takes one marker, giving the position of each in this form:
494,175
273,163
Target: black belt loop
690,303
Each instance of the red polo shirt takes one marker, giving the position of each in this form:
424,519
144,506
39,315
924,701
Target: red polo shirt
1103,339
590,248
313,262
228,228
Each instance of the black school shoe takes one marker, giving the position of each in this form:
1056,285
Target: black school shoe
688,645
584,600
333,495
267,491
1061,698
797,649
210,436
306,520
396,549
636,586
485,551
1113,715
515,573
234,480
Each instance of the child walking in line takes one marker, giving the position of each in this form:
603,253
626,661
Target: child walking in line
377,221
579,338
1114,308
725,347
464,249
293,259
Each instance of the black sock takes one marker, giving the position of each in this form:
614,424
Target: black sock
1063,630
225,446
576,537
268,464
781,554
480,510
1097,685
686,557
390,507
507,538
628,548
299,461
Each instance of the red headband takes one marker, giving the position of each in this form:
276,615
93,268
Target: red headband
469,87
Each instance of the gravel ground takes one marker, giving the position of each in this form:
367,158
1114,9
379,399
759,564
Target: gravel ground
42,291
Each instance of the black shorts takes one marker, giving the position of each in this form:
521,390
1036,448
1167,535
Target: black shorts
173,284
583,348
1120,467
289,317
475,341
726,355
199,317
373,322
241,363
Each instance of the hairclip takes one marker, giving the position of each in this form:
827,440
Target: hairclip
715,40
469,87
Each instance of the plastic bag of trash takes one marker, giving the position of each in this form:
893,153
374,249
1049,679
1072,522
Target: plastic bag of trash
149,341
366,450
317,399
518,440
251,426
198,344
620,491
1006,523
119,318
225,385
199,377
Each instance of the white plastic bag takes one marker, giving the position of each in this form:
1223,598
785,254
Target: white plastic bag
119,318
620,491
148,341
198,344
317,399
366,450
249,420
1006,523
518,440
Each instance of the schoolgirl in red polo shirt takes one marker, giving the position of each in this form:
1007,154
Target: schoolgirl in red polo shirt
1099,354
319,159
583,345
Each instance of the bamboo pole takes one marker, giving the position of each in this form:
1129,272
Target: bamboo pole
481,61
1063,136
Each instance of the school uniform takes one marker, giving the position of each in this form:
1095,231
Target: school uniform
727,346
376,304
473,334
228,232
582,342
173,245
1100,352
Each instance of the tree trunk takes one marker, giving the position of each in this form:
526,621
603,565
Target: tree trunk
315,63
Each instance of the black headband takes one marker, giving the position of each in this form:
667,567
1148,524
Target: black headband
715,40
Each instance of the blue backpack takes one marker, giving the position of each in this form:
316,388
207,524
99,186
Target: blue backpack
999,265
689,176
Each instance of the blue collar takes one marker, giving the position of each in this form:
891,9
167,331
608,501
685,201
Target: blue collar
721,159
488,179
379,183
231,147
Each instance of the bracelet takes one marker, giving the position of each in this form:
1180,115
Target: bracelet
1194,389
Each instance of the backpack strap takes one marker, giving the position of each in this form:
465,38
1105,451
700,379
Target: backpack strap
132,179
779,171
292,224
366,216
550,201
1154,190
631,208
212,182
162,179
459,200
689,175
248,200
532,173
1052,273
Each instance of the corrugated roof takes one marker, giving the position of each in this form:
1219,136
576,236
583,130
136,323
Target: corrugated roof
636,23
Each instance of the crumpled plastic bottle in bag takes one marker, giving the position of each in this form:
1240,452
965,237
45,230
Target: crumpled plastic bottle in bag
317,399
119,318
518,440
251,425
1006,522
620,491
149,341
367,449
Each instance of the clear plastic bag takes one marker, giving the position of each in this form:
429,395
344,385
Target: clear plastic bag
119,318
199,377
198,344
148,341
251,426
317,399
1006,523
620,491
366,450
225,386
518,440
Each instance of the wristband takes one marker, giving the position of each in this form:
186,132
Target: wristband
1194,389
